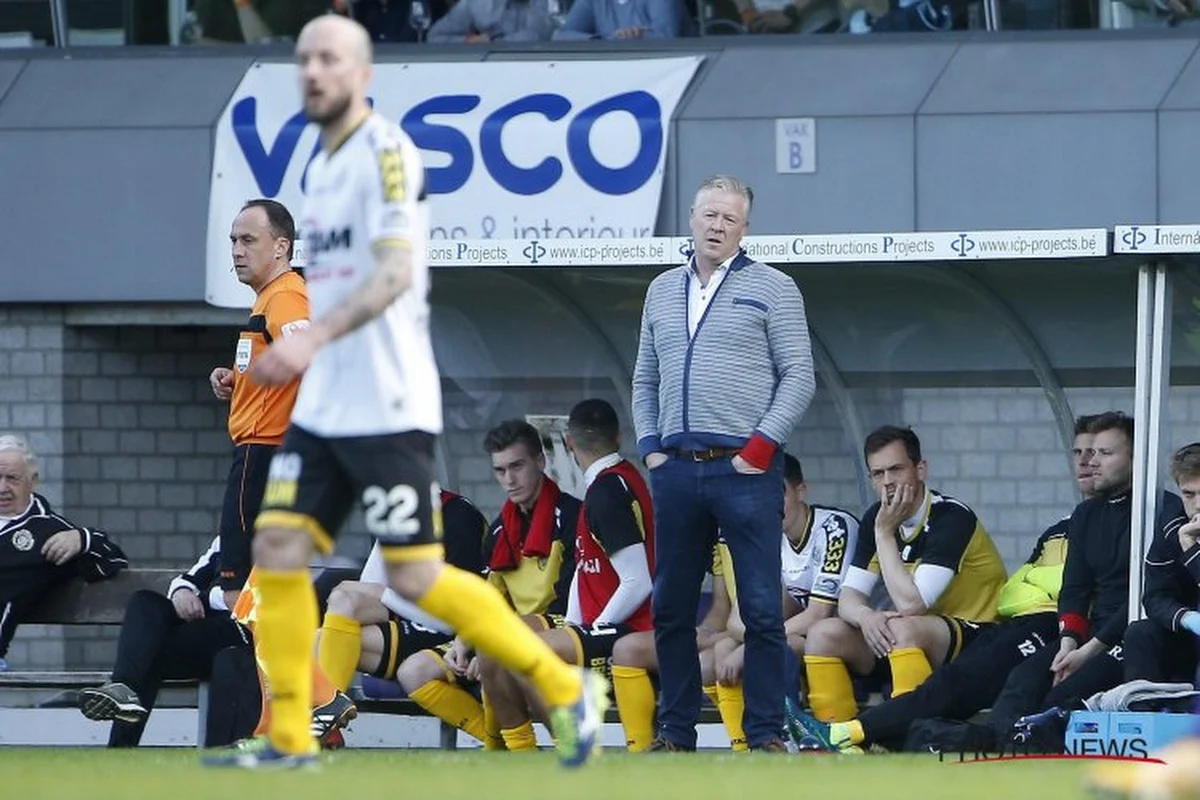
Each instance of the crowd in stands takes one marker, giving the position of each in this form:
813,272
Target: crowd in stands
474,21
471,21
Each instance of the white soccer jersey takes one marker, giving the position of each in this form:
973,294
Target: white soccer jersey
817,567
382,377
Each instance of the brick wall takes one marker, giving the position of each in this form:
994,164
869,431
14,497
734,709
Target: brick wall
132,440
146,448
31,360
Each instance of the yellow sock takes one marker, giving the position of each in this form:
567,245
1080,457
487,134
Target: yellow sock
323,690
452,705
842,734
829,690
910,668
711,693
287,625
482,618
339,649
521,737
732,704
264,712
491,728
635,704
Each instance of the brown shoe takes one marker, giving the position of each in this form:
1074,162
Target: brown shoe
771,746
661,745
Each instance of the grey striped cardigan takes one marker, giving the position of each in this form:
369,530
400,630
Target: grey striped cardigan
743,381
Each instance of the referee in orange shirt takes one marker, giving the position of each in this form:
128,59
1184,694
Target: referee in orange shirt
262,240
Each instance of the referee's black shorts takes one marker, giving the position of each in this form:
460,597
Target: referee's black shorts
243,497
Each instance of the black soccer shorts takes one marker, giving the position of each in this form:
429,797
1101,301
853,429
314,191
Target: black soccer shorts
314,482
594,645
550,621
403,638
962,633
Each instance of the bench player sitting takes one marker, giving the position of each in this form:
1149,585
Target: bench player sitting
941,570
530,558
609,596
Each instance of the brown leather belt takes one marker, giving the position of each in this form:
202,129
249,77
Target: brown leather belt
712,454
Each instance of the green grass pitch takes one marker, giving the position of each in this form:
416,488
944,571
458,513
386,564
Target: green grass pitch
96,774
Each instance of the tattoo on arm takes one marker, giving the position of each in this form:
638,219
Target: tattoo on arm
391,278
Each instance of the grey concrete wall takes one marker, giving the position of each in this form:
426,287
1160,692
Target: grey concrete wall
937,133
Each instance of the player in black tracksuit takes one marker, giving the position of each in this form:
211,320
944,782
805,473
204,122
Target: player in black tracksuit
1093,610
1172,571
1159,648
27,575
1093,605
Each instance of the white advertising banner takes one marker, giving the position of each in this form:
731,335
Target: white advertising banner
850,248
513,150
1156,239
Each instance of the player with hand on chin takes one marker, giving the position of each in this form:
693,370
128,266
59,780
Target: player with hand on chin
941,570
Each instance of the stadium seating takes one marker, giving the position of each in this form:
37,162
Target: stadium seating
103,603
80,603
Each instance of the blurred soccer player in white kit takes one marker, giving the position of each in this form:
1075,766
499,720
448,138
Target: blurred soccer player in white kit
368,412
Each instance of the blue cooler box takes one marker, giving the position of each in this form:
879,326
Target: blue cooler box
1125,733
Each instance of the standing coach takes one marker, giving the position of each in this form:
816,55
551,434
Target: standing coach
724,372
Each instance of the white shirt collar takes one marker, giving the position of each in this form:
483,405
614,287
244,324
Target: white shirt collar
913,524
721,268
6,520
598,466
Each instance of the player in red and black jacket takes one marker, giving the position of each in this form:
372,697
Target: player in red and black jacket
39,549
614,560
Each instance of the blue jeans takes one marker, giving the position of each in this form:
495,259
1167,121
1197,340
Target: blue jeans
692,501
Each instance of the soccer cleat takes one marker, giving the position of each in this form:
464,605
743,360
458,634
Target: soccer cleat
1027,728
334,740
809,734
803,728
839,734
775,745
577,727
112,701
258,753
332,717
661,745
